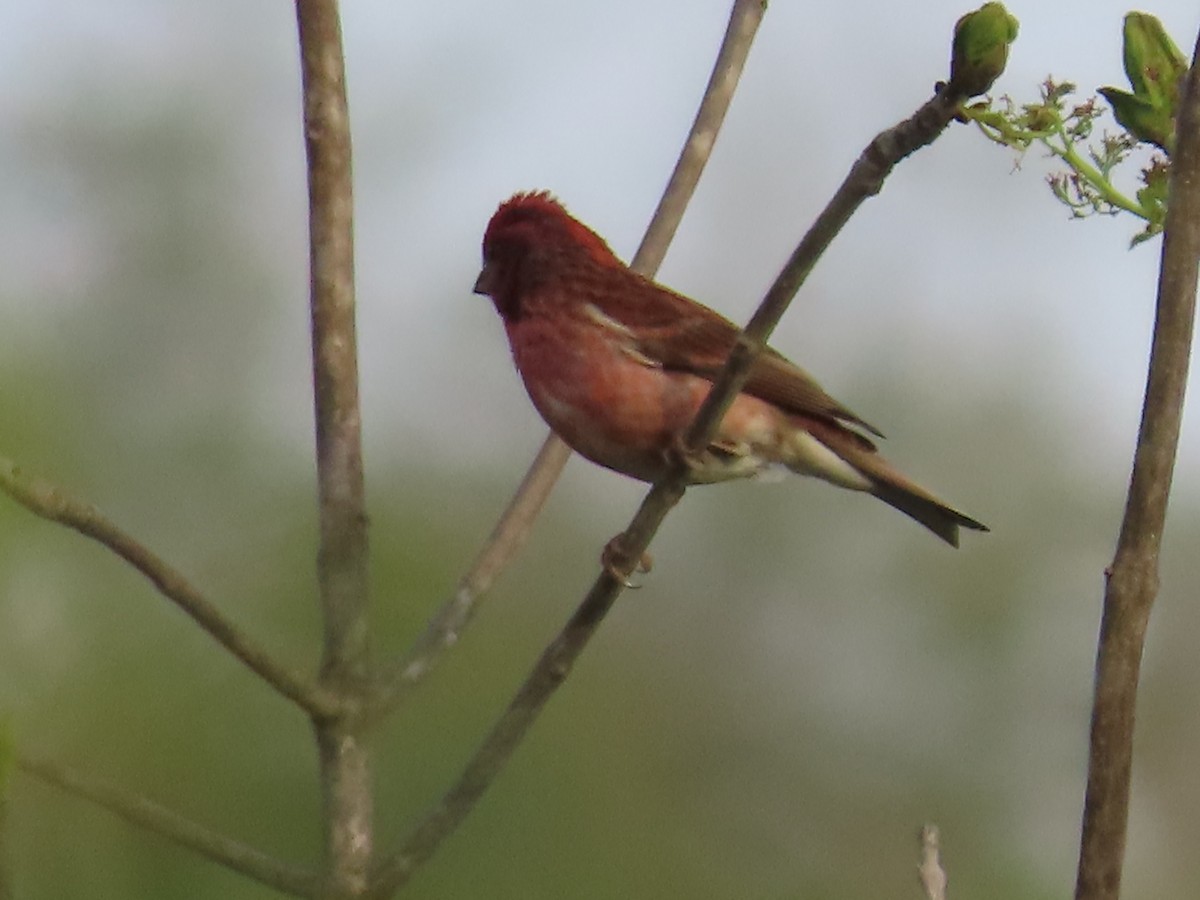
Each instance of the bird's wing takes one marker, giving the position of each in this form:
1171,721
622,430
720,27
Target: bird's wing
681,335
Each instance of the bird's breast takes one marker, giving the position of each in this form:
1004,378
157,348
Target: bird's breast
606,404
619,409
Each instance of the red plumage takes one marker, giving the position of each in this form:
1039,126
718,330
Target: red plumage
618,366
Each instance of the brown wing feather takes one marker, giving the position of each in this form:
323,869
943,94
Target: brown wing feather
688,337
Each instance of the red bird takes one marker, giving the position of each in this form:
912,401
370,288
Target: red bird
618,366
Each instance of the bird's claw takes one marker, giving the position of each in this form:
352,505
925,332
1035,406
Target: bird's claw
617,563
679,452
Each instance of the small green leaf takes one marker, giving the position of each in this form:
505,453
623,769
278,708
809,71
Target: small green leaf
980,51
1142,119
1154,67
1153,63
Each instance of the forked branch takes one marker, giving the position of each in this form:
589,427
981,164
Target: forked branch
347,810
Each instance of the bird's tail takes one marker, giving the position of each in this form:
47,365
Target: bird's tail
848,459
915,502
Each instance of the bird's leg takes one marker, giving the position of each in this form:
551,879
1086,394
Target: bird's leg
695,461
721,459
616,562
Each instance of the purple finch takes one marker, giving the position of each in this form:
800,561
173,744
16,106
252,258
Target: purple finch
618,365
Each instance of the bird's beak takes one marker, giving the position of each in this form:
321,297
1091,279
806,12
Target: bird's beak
484,283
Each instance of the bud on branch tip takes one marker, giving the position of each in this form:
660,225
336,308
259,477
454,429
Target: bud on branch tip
980,51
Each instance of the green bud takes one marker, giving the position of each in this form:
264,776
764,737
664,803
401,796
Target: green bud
980,52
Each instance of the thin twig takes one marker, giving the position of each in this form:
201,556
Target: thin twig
50,502
506,540
1132,583
744,20
512,530
865,180
342,555
930,871
169,824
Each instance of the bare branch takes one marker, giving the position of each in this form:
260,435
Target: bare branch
49,502
1132,583
506,540
930,871
146,813
744,20
342,556
343,550
512,530
865,179
549,672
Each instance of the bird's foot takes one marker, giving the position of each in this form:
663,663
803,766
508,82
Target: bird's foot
695,461
616,562
720,460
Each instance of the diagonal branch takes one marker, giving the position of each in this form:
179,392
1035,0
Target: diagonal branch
864,180
345,775
744,20
154,817
45,500
512,530
1133,576
505,542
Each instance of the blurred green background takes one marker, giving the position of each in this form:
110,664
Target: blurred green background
806,676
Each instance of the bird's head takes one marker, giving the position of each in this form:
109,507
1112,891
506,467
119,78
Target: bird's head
530,239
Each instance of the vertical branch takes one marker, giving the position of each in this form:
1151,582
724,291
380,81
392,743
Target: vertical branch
1133,576
342,557
335,368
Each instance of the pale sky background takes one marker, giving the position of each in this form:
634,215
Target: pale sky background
962,279
959,262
